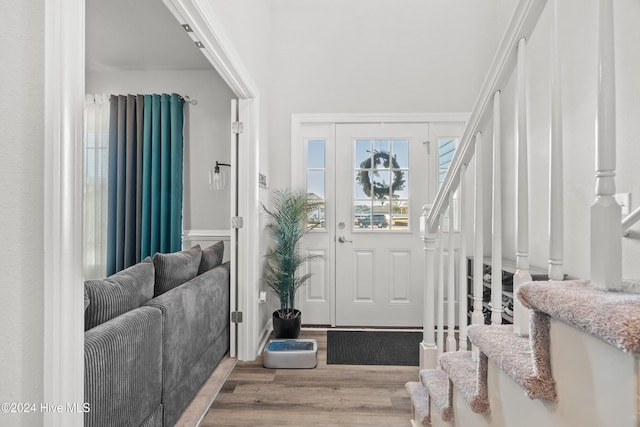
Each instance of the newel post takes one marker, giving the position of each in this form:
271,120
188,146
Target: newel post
428,349
606,232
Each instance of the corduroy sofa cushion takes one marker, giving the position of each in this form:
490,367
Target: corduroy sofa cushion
211,257
118,293
176,268
123,370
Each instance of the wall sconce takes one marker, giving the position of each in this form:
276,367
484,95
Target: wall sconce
217,179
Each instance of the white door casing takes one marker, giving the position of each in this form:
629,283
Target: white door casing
64,93
322,300
219,50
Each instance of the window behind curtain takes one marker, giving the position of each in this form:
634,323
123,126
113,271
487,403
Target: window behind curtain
95,165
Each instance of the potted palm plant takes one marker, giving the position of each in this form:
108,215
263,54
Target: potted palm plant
288,224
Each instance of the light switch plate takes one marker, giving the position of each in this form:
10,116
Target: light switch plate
624,200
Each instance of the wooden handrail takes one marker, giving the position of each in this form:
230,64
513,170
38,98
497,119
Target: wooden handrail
524,20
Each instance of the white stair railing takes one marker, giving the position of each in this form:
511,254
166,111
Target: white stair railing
496,219
477,318
440,291
451,284
522,275
525,18
606,237
607,226
511,58
463,320
556,180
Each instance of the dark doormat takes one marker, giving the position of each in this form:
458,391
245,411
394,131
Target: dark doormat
373,348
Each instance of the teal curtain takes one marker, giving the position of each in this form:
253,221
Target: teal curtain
145,178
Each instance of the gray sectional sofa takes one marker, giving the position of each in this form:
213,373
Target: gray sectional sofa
154,332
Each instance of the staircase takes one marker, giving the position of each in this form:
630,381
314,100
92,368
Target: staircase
578,367
572,355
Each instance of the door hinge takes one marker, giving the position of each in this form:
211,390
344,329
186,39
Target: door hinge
236,317
237,127
236,222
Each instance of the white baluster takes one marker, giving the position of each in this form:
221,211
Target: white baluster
477,318
440,314
522,275
496,219
606,233
556,181
451,284
462,266
428,349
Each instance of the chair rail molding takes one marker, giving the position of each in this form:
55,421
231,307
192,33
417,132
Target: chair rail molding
206,234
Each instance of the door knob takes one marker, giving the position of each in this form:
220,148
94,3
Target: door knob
341,239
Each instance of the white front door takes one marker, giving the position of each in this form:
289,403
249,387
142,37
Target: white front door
383,173
374,180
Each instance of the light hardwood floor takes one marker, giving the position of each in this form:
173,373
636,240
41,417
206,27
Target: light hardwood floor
328,395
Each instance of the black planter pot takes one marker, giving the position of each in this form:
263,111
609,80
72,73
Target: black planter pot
287,328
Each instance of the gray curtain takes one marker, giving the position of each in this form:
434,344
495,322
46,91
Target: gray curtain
145,169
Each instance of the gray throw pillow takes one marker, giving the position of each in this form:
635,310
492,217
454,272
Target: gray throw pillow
176,268
211,257
118,293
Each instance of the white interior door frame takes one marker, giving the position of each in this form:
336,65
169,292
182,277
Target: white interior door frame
298,150
63,329
219,50
63,373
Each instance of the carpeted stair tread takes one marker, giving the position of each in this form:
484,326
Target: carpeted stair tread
609,315
440,393
525,359
469,376
420,401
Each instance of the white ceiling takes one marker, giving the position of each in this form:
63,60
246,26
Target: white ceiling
137,35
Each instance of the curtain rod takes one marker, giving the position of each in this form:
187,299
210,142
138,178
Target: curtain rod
188,100
185,98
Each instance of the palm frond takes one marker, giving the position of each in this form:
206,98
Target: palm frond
288,224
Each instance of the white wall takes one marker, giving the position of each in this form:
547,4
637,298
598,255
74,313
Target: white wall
376,56
207,127
21,206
